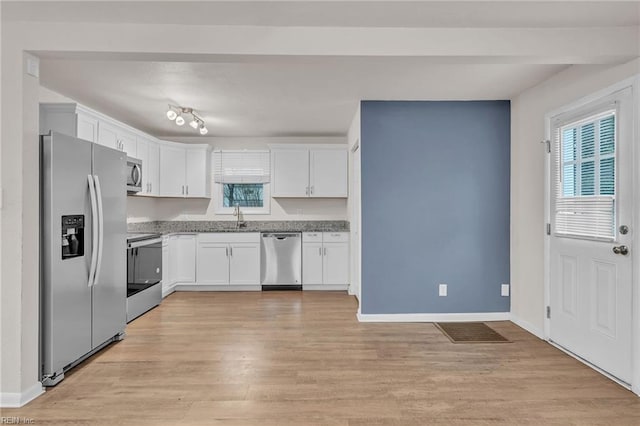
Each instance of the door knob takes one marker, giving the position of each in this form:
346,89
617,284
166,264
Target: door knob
623,250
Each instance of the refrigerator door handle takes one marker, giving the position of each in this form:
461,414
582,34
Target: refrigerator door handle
94,232
100,229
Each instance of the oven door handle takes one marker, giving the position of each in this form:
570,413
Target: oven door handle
144,242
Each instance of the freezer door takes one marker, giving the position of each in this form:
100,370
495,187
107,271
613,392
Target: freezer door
64,281
109,299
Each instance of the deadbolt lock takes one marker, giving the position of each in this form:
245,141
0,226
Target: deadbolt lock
624,229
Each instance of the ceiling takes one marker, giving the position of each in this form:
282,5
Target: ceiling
407,14
295,94
274,98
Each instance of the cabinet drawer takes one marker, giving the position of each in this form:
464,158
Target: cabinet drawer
229,237
335,237
312,237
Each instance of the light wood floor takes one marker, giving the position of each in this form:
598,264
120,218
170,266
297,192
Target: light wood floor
295,358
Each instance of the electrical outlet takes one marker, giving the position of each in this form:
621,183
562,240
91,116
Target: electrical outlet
442,290
504,290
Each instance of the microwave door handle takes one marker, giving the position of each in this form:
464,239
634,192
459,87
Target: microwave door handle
136,175
94,231
100,229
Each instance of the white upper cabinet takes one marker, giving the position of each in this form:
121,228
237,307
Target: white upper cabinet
69,119
148,152
153,168
114,136
309,171
198,176
289,172
87,126
185,172
328,173
173,161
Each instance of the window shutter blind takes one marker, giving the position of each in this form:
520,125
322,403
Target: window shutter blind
584,178
241,166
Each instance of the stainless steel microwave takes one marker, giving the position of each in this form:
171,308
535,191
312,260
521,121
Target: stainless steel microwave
134,175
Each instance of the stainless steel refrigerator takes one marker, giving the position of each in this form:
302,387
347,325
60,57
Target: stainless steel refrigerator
83,251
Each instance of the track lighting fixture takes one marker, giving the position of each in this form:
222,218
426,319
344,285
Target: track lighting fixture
176,112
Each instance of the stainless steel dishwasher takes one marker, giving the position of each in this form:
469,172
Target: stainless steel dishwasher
281,260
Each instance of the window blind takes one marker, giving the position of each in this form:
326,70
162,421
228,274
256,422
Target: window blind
584,178
241,166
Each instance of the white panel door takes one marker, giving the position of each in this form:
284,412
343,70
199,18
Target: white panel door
172,171
312,263
153,168
197,176
336,263
328,171
185,255
290,173
213,264
108,135
244,263
590,280
87,127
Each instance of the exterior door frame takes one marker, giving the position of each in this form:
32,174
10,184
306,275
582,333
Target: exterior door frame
634,83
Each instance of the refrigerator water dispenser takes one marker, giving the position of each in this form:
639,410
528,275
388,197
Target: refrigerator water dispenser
72,236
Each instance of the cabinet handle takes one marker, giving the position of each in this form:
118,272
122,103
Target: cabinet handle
150,187
187,189
311,190
306,191
226,251
325,251
231,251
320,250
182,189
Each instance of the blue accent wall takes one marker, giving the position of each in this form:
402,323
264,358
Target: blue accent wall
435,206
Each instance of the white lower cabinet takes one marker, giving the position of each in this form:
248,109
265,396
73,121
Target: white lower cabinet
228,259
182,260
325,258
167,280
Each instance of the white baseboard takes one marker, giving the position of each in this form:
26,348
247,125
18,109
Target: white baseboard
528,327
480,316
205,287
325,287
17,399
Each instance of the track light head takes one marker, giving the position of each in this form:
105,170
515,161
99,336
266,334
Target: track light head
194,123
180,120
203,130
171,114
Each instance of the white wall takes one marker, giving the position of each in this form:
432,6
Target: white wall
527,178
140,210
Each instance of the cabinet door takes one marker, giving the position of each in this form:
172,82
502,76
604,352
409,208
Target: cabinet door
328,171
172,171
213,263
108,135
153,168
142,151
197,176
128,143
312,263
244,263
186,259
87,127
336,263
289,172
166,281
